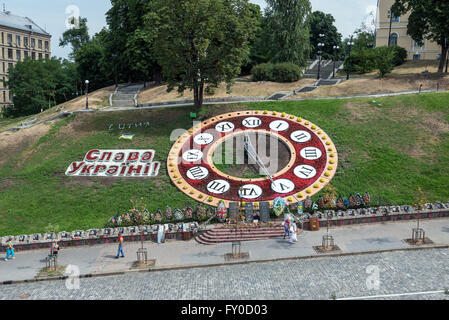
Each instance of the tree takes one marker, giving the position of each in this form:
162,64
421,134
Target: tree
321,23
384,60
127,44
289,23
429,19
39,84
76,36
88,60
200,43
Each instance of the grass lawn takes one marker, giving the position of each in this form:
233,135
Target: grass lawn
389,151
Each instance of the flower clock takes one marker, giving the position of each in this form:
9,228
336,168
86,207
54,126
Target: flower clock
289,156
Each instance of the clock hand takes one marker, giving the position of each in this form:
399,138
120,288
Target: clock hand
253,154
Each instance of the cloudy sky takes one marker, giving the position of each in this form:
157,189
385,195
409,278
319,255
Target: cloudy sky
52,14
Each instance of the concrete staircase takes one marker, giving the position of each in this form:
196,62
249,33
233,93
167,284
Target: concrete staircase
126,96
326,71
223,234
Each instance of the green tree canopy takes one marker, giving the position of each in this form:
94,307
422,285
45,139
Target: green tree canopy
40,84
289,39
76,36
322,23
429,19
200,42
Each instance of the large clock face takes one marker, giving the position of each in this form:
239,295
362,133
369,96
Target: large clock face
298,160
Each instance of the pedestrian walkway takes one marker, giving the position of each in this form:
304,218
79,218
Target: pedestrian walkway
126,96
181,254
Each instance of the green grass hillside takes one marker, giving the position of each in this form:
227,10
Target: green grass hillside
389,150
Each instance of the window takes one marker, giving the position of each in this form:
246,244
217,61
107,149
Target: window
25,41
3,37
47,56
46,45
4,96
40,56
3,53
11,97
3,67
10,65
10,55
416,57
9,38
18,40
25,54
395,19
394,39
18,55
33,55
33,43
39,44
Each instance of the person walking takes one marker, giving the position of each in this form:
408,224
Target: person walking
9,250
120,246
293,230
54,248
286,228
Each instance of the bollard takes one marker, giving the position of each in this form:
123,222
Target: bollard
420,87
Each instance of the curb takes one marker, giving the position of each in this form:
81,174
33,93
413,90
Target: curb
186,267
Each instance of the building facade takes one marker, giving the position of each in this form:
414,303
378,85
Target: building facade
20,38
398,36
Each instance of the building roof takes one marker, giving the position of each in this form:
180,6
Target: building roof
7,19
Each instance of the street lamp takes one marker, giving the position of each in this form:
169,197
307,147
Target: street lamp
87,94
390,15
336,48
350,44
320,46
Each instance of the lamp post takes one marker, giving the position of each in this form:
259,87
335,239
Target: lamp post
114,56
336,48
320,45
389,15
87,94
350,44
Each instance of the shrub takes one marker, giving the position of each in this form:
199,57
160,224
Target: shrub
361,61
262,72
384,60
285,72
280,72
400,55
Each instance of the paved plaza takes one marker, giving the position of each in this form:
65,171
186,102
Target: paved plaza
320,277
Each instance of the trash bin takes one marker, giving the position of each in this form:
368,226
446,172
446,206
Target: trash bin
314,224
187,235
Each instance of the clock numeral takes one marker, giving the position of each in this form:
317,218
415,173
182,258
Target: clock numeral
224,127
311,153
218,186
203,138
252,122
283,186
301,136
250,191
192,155
279,125
197,173
305,172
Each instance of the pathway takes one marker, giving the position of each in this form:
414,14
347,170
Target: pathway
351,239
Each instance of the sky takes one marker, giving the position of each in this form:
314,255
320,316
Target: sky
52,14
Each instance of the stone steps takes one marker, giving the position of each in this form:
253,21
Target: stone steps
124,96
222,235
